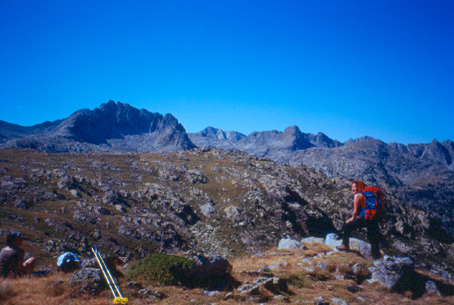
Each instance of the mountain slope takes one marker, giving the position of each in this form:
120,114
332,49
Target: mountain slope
111,127
209,201
420,175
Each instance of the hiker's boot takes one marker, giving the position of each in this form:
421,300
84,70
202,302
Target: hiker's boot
342,248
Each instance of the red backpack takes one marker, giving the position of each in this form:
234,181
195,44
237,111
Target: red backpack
374,203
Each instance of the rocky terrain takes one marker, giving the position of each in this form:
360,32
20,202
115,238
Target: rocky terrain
208,201
307,271
419,175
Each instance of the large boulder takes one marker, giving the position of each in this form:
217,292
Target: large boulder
86,274
362,247
208,266
393,272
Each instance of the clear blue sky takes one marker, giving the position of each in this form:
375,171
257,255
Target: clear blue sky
345,68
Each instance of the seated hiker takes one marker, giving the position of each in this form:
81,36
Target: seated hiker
359,220
68,262
12,257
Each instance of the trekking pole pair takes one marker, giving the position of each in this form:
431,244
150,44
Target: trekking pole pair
119,299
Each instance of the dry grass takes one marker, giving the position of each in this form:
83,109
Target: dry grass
304,285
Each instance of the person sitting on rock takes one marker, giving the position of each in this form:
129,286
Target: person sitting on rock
356,222
12,257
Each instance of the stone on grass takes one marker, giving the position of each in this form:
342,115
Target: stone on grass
290,244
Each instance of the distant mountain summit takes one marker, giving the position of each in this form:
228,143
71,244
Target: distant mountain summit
271,144
111,127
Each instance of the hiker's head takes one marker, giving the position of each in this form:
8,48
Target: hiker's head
357,186
14,239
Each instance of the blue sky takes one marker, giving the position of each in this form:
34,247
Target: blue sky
345,68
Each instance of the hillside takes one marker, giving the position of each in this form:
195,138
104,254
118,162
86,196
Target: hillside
419,175
208,201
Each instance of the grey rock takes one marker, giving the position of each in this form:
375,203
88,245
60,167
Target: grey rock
273,284
392,272
311,240
86,274
363,247
431,288
120,208
249,289
338,301
210,294
75,193
144,291
290,244
333,240
234,214
196,176
208,266
208,210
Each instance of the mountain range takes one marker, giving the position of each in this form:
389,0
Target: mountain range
421,175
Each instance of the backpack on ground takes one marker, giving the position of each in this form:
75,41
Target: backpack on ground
375,205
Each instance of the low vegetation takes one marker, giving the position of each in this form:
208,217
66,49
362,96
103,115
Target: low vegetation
161,269
155,279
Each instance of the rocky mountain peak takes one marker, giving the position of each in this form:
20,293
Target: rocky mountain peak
293,139
113,126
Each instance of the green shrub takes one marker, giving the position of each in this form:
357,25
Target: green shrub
161,269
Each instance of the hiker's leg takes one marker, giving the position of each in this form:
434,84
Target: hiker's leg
373,232
349,228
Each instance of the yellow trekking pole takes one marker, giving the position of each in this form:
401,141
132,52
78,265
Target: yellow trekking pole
119,299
